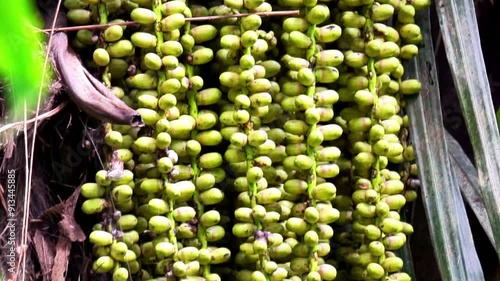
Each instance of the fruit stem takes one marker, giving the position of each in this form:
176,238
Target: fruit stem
193,111
372,87
249,150
312,179
159,37
103,19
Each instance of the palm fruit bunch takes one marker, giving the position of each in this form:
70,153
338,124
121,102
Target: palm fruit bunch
274,148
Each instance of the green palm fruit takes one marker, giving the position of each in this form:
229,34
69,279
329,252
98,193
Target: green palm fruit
247,62
158,206
220,255
392,264
210,160
268,195
420,4
146,100
179,269
170,62
201,56
243,230
376,248
352,19
272,67
400,276
159,224
300,40
79,16
103,264
203,33
395,202
75,4
251,22
364,98
381,12
295,24
364,196
392,187
187,254
391,226
129,256
164,250
215,233
279,274
184,214
234,4
330,131
311,215
249,38
355,59
327,272
92,190
372,232
172,22
386,65
120,49
211,196
143,16
146,144
326,74
318,14
122,193
299,265
127,222
117,68
324,191
120,274
101,57
94,206
101,178
408,51
118,250
373,47
366,210
101,238
244,214
298,64
130,238
297,225
173,7
394,242
171,48
328,33
100,251
151,186
410,86
145,81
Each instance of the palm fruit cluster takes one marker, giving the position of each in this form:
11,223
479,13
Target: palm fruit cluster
274,148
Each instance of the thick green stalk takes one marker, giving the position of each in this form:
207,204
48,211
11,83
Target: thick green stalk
372,87
159,36
250,154
103,19
193,111
312,179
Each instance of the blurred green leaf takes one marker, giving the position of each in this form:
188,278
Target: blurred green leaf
460,35
21,53
445,210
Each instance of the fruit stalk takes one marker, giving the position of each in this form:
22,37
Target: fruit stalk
311,151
